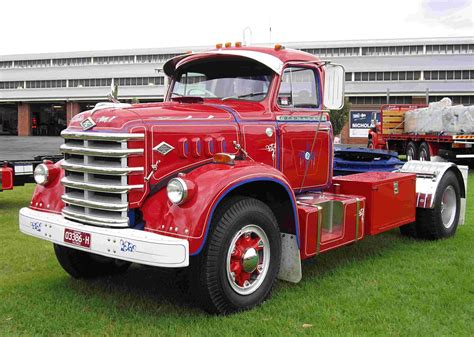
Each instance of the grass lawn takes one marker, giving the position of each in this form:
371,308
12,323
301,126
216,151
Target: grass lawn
383,285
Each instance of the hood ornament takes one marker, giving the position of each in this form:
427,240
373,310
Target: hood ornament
89,123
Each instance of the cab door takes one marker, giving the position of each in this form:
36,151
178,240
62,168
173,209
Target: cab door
305,134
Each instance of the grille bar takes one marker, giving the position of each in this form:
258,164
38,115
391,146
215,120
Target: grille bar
66,134
98,187
103,169
94,203
95,220
99,152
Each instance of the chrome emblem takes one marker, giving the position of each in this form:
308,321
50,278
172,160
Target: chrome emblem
164,148
87,123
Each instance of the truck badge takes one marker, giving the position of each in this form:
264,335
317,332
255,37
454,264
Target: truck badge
164,148
87,123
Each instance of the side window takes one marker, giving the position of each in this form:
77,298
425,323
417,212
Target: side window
298,89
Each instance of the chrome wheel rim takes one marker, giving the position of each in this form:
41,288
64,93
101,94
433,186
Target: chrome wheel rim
248,259
448,207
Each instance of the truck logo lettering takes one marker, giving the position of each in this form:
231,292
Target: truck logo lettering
164,148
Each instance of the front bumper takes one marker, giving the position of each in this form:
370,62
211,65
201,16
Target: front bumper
124,243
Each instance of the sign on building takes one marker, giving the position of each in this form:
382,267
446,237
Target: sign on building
360,123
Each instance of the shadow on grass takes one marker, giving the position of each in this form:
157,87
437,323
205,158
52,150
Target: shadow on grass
154,290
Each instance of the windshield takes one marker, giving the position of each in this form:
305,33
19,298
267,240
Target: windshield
224,78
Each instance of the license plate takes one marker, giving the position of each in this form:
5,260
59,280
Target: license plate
77,238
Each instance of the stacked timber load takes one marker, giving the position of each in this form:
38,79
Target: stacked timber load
440,117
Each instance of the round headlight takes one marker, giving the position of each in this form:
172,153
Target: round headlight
177,191
41,174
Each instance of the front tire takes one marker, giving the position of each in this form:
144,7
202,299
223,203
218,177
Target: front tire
81,264
241,260
441,221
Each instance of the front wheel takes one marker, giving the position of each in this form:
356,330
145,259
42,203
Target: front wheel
241,260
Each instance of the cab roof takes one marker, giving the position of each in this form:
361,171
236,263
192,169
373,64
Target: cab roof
273,58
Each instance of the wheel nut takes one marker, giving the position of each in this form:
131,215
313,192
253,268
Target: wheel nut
260,269
247,235
260,243
246,284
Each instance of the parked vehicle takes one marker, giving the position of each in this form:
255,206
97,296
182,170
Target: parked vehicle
393,133
19,172
231,177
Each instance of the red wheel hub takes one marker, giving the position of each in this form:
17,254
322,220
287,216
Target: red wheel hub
246,258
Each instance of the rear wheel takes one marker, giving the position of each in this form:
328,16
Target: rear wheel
238,268
441,221
424,152
412,151
81,264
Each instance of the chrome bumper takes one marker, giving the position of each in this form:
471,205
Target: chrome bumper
121,243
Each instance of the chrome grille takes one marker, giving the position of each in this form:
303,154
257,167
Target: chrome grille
95,181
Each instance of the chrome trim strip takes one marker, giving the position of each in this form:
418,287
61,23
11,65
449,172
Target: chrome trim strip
107,170
68,134
95,220
111,188
106,206
101,152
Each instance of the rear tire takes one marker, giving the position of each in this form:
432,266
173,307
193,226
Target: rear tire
442,220
81,264
424,152
241,259
412,151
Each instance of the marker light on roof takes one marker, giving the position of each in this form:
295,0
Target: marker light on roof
218,45
238,44
279,47
228,44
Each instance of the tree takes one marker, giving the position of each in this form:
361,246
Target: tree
340,117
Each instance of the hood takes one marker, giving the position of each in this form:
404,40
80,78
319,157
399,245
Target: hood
123,118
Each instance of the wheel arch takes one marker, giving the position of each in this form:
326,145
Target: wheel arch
282,203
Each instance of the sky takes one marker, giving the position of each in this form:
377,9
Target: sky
60,25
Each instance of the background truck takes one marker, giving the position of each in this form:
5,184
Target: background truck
231,178
419,136
19,172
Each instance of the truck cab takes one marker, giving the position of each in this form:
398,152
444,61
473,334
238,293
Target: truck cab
230,176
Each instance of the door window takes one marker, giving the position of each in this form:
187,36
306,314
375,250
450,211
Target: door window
298,89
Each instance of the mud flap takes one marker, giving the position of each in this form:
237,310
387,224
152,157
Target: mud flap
290,266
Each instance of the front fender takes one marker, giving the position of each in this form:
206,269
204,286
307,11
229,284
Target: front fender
213,182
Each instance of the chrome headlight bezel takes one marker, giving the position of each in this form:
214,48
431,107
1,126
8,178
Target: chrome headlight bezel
41,174
177,191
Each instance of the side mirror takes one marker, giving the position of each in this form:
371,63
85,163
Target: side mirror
334,86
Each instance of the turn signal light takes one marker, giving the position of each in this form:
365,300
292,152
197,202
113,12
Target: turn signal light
224,158
228,44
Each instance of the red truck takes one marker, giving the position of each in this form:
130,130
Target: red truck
391,134
230,177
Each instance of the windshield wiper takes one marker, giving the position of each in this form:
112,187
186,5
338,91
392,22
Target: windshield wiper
252,94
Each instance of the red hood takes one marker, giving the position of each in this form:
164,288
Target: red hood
122,119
